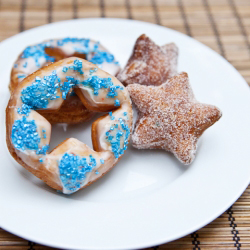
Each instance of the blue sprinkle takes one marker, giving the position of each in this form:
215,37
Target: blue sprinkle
91,71
125,113
117,103
25,64
21,76
115,139
43,150
24,110
15,65
112,118
96,172
65,69
38,79
38,95
40,160
102,161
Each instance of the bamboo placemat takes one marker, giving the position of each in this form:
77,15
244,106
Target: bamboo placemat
223,25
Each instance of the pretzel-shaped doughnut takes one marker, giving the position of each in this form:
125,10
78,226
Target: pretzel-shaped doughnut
72,165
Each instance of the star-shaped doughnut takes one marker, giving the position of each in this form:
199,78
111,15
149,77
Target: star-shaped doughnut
170,118
149,63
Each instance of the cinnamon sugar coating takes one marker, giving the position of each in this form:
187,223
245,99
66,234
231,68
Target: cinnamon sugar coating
149,63
170,118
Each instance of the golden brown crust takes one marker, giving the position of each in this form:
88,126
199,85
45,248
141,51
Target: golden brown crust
72,111
170,118
149,63
94,135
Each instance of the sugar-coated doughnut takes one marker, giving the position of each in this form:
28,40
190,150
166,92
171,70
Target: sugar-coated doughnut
39,55
72,165
149,63
170,118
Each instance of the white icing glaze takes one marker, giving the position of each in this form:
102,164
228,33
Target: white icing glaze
105,124
79,148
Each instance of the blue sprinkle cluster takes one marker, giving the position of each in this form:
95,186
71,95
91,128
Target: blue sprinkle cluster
37,95
44,133
37,52
24,110
102,56
76,67
84,42
97,83
25,136
73,170
66,86
115,139
43,150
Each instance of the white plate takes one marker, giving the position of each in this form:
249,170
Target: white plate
149,198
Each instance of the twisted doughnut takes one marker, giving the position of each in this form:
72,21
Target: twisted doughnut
72,165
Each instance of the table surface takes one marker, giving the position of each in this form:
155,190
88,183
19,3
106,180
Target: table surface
223,25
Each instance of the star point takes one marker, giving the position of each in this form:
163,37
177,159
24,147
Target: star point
149,63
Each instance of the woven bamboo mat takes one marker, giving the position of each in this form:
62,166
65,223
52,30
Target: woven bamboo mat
223,25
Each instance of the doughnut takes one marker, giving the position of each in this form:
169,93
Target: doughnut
170,118
149,63
72,165
39,55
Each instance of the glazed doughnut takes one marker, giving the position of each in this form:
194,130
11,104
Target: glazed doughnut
72,165
39,55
